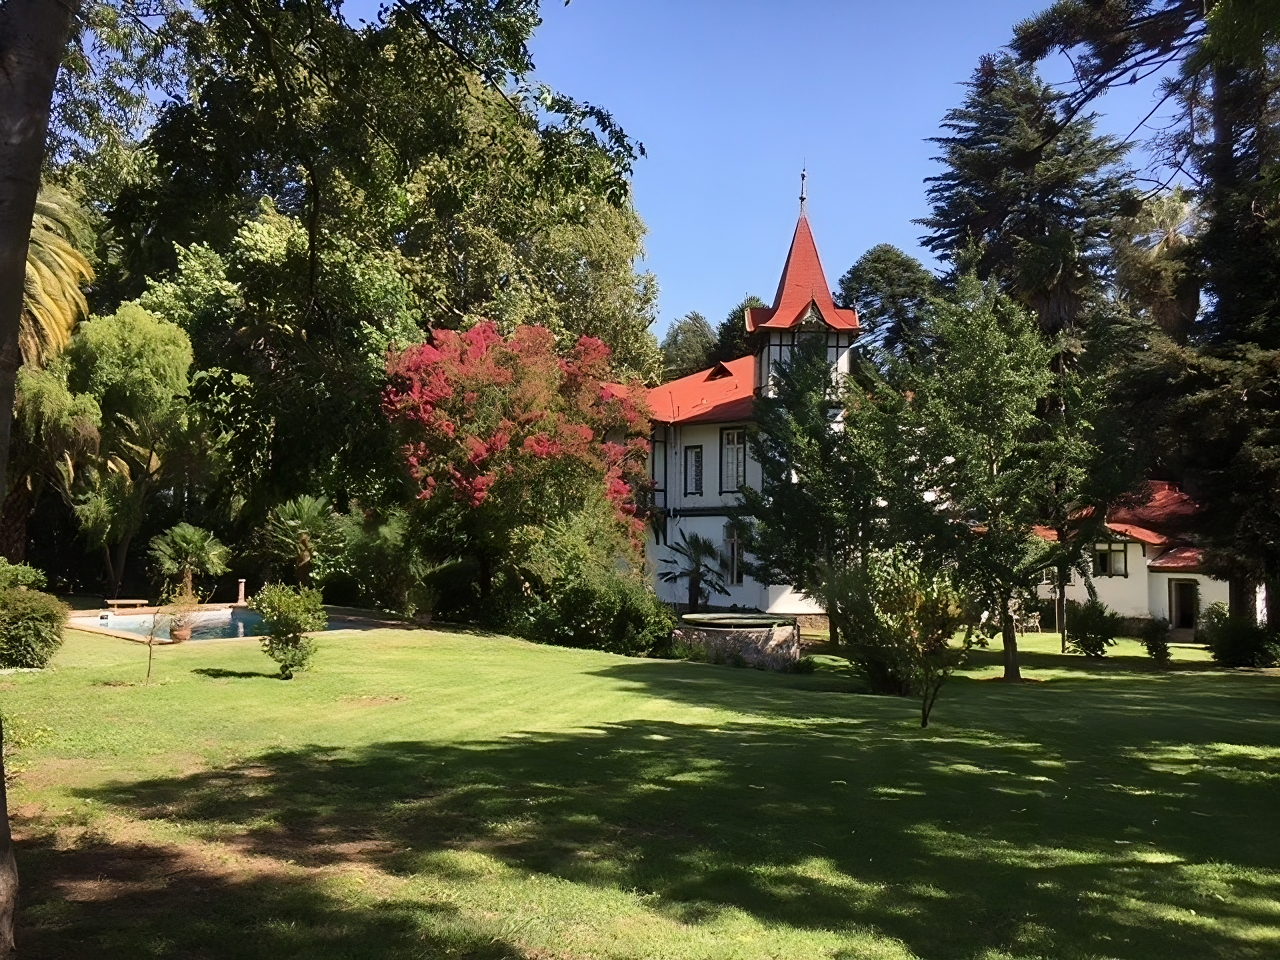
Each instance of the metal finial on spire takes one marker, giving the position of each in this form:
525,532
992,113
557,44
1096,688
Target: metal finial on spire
804,197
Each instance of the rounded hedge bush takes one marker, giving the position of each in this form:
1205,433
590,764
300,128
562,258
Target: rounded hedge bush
31,625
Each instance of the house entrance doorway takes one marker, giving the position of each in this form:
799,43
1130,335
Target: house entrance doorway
1184,604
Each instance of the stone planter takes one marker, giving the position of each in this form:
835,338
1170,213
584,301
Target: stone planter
763,643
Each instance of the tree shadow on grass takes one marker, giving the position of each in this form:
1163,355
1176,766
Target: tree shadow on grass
218,673
130,901
1120,822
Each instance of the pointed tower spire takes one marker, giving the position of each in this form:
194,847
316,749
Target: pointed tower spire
802,285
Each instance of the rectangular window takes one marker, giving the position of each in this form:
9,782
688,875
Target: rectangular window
733,459
1110,560
693,471
658,462
733,554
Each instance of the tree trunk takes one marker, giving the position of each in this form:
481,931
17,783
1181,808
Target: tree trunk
14,512
1009,636
1060,608
33,36
695,592
8,866
1273,603
117,568
1241,599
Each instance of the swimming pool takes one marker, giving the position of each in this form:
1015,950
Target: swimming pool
208,624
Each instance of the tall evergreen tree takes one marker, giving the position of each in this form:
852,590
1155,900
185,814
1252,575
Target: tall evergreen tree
890,290
731,335
1028,197
686,346
1211,402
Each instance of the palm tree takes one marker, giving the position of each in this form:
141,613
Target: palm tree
699,561
186,551
1152,268
53,301
301,531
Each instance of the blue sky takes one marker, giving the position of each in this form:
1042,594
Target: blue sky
730,98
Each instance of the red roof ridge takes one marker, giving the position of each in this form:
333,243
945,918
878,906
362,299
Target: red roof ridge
719,394
802,284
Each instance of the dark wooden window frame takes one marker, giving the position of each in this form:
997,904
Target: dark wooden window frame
702,471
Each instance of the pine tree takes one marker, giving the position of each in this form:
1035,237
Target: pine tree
1027,198
731,335
685,347
890,290
1204,412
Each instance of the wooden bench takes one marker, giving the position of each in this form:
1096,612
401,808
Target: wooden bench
120,604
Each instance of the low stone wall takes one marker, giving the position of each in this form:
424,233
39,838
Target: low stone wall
766,648
814,622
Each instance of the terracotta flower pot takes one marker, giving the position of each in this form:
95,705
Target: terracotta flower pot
180,634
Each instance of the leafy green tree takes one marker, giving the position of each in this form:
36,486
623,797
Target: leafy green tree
975,414
276,357
301,534
889,289
686,346
134,367
53,428
699,563
1028,196
185,551
731,335
821,503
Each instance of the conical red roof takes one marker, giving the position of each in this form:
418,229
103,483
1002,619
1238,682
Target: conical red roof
803,284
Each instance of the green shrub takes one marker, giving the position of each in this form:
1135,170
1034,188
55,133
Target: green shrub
288,613
20,575
615,612
585,591
1236,641
1155,637
386,562
30,627
1092,627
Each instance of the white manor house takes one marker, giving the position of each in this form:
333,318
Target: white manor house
700,459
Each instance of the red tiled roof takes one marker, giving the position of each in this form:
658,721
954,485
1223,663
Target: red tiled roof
1141,534
1159,505
722,394
1183,559
803,283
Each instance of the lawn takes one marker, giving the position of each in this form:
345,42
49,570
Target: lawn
425,794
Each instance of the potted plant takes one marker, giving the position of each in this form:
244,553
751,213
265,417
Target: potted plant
180,553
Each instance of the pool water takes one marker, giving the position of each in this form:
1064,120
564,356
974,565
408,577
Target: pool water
208,624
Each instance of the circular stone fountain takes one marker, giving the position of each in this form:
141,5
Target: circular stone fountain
754,639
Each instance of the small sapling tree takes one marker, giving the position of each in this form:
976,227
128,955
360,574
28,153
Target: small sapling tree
289,614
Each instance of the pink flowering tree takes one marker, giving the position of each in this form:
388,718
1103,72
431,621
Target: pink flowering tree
516,434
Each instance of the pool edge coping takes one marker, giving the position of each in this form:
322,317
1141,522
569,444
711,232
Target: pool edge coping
356,620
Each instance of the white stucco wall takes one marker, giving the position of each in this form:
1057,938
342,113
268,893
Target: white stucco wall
1211,591
1144,592
749,594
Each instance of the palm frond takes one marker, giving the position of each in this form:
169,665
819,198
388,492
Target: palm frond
53,295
